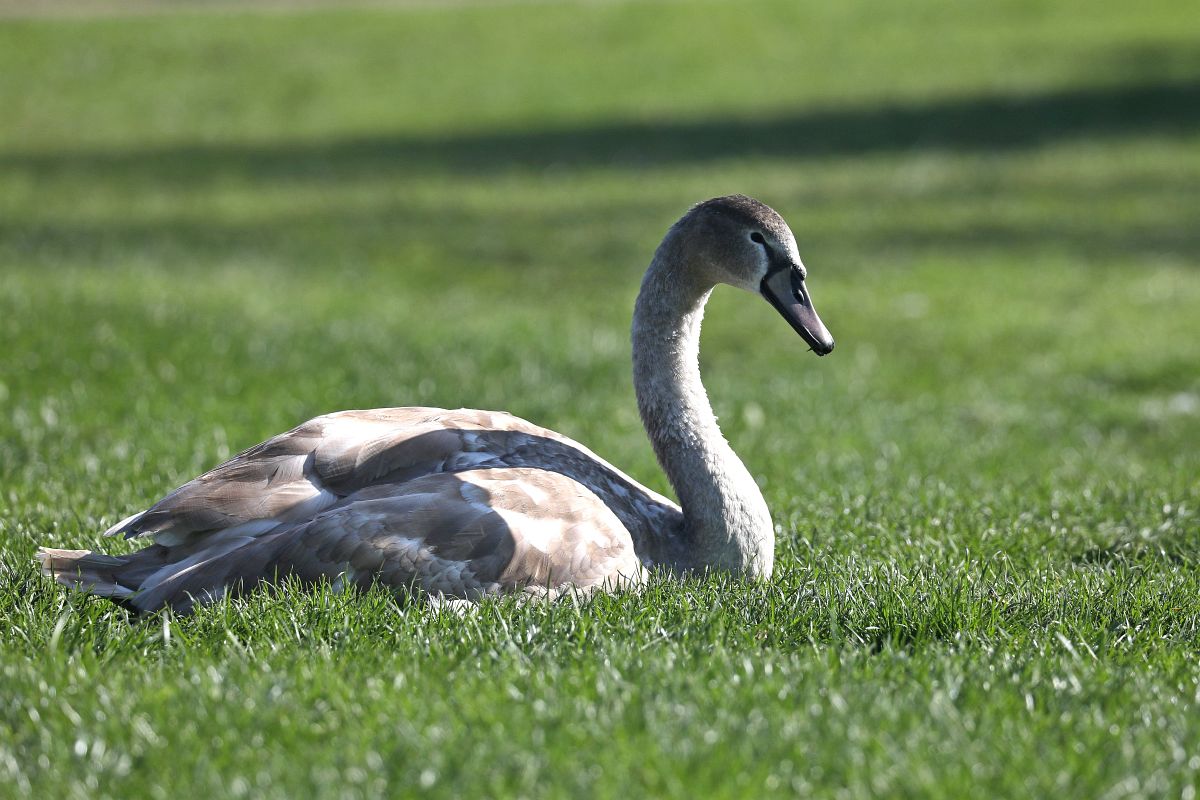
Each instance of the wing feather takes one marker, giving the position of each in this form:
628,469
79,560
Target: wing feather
315,466
458,503
308,469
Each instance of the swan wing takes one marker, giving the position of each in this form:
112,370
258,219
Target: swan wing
457,503
315,466
453,535
468,534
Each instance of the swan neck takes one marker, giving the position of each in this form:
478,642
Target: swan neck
727,524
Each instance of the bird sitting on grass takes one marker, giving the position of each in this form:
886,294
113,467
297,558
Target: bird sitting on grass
464,504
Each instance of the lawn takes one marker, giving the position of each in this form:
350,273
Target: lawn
215,226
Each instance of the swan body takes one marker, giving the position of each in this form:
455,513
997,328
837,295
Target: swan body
463,504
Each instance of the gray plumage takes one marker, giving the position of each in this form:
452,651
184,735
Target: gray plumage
463,504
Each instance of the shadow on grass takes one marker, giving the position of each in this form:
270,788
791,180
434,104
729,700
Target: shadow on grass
1093,239
1126,552
330,235
329,238
992,122
329,243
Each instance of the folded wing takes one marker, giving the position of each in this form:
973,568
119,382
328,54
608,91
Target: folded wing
456,503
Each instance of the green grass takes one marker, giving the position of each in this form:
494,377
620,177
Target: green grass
988,573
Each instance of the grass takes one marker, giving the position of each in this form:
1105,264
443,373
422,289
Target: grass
988,573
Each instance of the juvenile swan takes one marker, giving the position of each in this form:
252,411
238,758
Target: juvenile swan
462,504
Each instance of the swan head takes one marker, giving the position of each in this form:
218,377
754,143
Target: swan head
742,242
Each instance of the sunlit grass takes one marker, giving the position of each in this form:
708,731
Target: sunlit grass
987,579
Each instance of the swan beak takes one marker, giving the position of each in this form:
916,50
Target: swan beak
784,288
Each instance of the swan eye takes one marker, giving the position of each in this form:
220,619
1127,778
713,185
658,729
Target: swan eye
757,238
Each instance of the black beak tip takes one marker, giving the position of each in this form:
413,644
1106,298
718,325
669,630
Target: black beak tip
824,348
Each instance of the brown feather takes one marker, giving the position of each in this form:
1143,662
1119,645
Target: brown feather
457,503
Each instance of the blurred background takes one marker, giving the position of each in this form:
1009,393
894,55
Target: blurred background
217,220
220,219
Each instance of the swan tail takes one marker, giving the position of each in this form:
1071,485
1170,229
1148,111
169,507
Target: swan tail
135,581
94,573
158,576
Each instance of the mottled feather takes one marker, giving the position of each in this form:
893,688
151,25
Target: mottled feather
451,503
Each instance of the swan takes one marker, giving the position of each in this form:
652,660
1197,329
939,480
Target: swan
457,505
